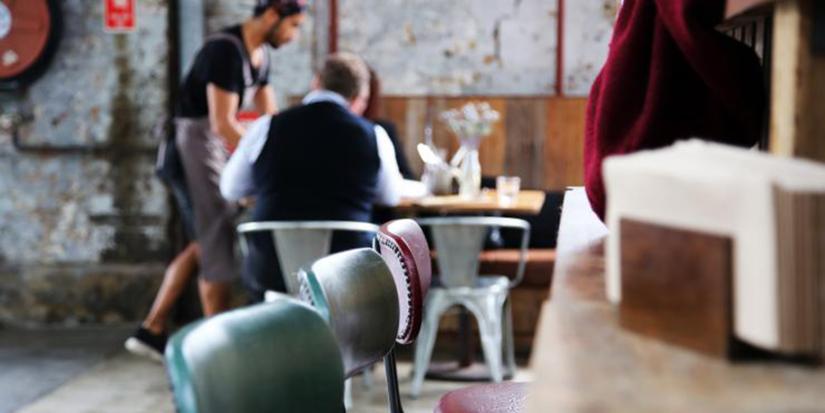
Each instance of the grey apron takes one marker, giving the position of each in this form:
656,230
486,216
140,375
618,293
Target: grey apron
204,155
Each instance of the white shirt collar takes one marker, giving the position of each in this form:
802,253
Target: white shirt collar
323,95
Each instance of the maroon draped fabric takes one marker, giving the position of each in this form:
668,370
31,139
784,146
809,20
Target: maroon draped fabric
670,75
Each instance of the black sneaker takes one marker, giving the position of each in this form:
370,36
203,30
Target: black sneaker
145,343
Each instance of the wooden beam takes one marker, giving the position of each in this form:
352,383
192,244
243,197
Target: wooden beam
797,109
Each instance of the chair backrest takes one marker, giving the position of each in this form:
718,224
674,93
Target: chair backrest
458,241
404,248
278,356
298,243
355,292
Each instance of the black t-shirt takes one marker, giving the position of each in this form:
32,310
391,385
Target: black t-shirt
221,62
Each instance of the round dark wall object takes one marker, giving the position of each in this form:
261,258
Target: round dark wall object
29,33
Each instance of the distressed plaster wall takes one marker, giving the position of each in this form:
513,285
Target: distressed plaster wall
588,27
82,217
457,48
462,47
79,191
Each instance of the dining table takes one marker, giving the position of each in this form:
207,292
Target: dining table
527,202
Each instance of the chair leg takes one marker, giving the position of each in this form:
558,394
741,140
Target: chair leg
509,340
392,383
436,304
368,377
348,394
489,312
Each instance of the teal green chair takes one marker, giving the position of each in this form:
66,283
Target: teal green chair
279,356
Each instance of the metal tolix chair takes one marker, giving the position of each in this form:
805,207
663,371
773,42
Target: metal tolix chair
458,242
404,248
355,292
277,356
299,243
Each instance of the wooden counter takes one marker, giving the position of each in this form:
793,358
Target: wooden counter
584,362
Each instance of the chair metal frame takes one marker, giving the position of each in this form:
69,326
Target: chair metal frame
360,304
292,256
485,296
409,261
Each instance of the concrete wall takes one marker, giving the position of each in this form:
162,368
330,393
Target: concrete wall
456,48
480,47
588,27
82,217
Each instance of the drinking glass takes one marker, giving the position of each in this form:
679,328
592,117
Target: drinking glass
507,189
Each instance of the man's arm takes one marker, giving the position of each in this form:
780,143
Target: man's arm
223,108
390,180
236,179
265,101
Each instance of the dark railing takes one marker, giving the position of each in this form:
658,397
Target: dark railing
755,29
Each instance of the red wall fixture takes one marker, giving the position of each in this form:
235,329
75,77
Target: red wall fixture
560,50
28,35
119,16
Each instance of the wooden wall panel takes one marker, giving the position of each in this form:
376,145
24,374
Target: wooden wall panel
526,124
494,147
798,85
416,120
564,145
397,109
442,137
538,138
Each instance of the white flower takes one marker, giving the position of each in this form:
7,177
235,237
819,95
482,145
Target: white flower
471,120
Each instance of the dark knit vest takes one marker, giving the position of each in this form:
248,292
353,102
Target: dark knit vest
320,162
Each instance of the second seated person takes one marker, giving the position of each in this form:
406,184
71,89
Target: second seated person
317,161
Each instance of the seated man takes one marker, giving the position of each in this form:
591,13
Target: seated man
318,161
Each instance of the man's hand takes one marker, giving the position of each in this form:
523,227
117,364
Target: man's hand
247,202
223,107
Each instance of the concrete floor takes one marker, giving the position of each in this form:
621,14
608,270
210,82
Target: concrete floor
85,371
34,363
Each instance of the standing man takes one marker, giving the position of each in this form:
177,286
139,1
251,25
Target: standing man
230,72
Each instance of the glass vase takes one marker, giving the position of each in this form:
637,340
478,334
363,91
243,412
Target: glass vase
469,176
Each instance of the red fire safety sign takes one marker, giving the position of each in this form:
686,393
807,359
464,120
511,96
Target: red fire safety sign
119,15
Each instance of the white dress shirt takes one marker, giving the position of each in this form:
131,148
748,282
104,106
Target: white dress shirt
237,181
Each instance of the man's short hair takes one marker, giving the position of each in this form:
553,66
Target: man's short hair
285,8
345,74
